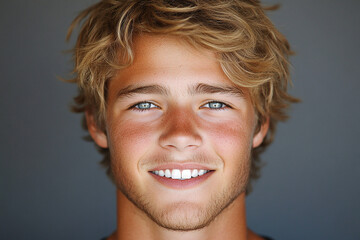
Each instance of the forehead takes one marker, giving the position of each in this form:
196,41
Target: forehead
172,58
172,63
166,51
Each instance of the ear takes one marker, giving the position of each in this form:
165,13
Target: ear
260,135
96,133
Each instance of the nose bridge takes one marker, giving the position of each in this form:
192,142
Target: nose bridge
180,130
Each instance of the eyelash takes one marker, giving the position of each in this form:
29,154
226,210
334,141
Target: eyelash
223,105
135,107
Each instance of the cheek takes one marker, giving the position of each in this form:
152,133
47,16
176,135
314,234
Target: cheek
129,141
232,140
232,143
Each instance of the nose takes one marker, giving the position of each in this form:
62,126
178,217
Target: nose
180,131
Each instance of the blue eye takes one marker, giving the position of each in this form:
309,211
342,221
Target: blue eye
142,106
215,105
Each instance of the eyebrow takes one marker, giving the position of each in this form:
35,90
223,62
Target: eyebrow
198,89
148,89
203,88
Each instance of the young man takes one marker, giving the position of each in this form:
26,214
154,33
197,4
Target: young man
181,97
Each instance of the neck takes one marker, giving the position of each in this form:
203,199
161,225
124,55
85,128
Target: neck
132,223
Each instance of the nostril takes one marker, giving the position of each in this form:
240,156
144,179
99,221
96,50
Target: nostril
180,143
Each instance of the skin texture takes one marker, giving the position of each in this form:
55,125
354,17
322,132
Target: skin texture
179,125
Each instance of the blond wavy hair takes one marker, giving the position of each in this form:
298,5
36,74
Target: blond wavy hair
250,50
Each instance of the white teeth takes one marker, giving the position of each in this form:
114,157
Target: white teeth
180,174
167,173
186,174
195,173
176,174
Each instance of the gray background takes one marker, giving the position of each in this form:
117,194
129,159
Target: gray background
51,186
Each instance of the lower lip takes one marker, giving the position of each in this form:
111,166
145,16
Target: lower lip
182,184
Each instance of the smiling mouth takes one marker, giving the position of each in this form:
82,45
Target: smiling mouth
178,174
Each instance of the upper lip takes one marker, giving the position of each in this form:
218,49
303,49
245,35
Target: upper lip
181,166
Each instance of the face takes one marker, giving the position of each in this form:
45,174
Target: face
179,133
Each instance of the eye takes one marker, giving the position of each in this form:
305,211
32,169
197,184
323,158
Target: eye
143,106
215,105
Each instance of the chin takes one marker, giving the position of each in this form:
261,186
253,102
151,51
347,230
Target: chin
182,212
189,216
183,216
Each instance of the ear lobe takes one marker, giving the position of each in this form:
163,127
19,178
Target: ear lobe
97,135
260,135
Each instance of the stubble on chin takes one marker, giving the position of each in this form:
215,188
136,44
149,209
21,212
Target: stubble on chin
183,216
